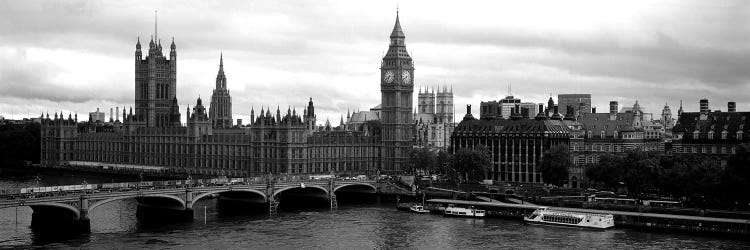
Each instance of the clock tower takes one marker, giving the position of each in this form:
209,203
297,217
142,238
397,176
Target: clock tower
397,89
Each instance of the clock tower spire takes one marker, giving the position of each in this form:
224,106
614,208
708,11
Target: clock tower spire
397,89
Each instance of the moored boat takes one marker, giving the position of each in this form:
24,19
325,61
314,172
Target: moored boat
546,216
418,209
464,212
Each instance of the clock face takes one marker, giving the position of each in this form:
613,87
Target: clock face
389,76
405,77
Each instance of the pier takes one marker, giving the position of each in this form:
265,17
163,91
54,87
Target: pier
640,220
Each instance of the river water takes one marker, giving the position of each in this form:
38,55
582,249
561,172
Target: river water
360,223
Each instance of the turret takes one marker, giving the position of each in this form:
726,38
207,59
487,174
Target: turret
172,51
138,54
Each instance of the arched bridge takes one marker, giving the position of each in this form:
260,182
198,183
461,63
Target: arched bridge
75,206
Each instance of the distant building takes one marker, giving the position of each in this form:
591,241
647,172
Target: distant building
498,109
516,145
97,116
713,135
581,103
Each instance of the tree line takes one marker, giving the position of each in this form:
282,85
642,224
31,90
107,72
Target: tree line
700,181
19,143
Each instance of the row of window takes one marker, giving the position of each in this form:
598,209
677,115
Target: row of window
712,136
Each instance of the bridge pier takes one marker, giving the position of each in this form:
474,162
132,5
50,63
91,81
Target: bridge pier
58,221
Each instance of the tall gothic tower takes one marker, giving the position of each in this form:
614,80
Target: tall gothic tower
397,89
156,85
220,111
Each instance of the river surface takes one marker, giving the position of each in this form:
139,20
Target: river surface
361,223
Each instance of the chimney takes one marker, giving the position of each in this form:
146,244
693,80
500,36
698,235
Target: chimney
704,106
731,107
612,107
468,115
593,110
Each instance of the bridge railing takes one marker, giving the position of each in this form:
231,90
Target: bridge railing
50,191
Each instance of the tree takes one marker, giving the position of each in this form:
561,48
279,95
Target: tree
19,143
554,165
422,160
472,164
736,177
608,172
443,161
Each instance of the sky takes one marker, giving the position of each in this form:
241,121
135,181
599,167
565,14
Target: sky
76,56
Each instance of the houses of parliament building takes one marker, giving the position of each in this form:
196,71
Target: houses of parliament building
279,142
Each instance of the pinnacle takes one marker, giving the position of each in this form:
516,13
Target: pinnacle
397,31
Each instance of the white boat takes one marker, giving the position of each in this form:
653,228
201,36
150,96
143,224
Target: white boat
461,211
546,216
418,209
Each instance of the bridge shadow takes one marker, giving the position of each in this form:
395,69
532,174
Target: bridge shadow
233,203
356,195
302,199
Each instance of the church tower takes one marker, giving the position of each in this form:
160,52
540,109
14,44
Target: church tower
397,89
156,85
666,117
445,105
220,111
426,101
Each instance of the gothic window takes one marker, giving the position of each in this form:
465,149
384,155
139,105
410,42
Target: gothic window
603,134
710,135
696,134
739,135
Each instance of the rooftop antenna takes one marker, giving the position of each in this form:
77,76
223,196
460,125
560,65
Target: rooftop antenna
156,33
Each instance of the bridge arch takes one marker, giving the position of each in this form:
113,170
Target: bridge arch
67,207
171,197
306,186
250,190
374,189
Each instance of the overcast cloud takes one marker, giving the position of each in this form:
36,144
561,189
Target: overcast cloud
75,56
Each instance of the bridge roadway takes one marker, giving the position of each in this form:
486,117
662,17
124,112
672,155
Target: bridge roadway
74,208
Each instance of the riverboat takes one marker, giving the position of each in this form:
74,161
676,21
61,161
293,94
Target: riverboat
418,209
464,212
545,216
